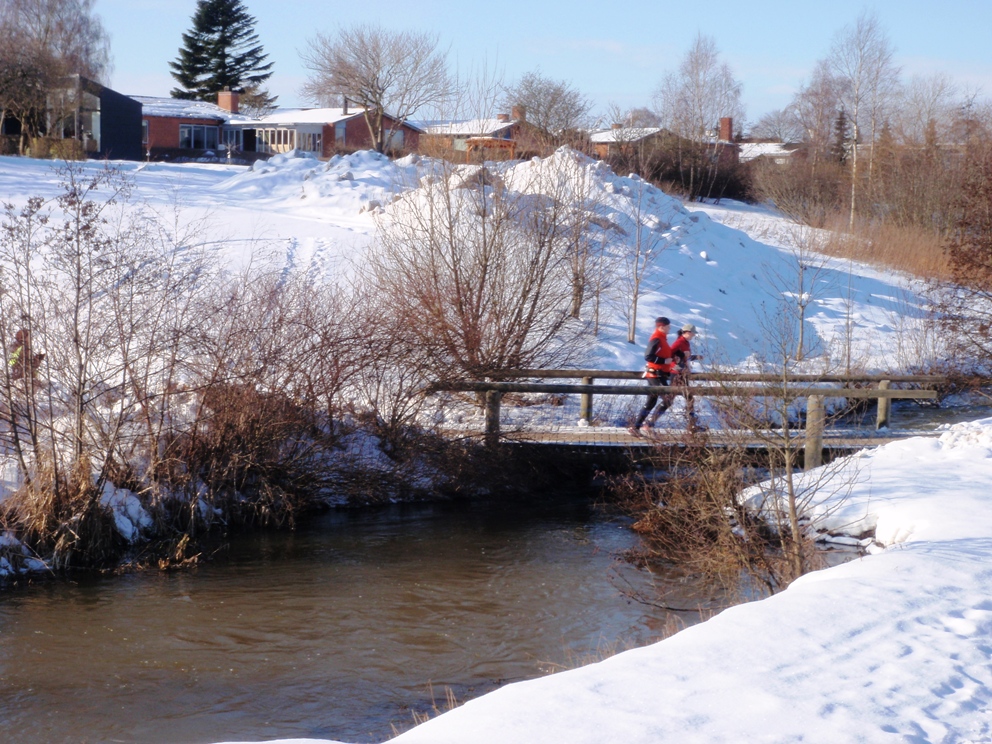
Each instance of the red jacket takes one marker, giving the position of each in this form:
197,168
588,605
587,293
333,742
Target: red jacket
682,352
657,351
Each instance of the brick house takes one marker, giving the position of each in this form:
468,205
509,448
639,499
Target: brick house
461,137
324,131
175,128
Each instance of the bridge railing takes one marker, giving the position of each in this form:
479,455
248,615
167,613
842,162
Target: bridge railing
815,388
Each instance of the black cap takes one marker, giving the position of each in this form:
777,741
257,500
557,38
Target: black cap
662,320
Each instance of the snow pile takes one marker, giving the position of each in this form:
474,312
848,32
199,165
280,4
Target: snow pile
345,184
733,288
130,516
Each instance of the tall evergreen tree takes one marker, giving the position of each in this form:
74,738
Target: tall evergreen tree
842,144
220,51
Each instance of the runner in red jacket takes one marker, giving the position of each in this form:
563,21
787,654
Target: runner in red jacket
681,357
657,371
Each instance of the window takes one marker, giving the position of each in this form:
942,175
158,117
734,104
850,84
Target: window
339,133
394,139
144,131
232,138
197,137
310,141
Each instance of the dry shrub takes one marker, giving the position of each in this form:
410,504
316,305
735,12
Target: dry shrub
57,149
692,519
811,195
432,709
908,248
255,454
64,520
9,144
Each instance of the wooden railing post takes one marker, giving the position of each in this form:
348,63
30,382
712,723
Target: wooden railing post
884,407
493,398
585,402
814,431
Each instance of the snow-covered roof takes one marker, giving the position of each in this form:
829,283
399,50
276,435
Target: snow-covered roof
752,150
484,127
624,134
179,108
296,116
310,116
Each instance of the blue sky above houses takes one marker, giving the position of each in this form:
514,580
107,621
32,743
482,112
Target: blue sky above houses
613,53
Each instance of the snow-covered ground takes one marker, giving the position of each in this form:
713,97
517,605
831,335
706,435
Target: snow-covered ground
896,646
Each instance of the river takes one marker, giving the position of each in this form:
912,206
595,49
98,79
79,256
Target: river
339,630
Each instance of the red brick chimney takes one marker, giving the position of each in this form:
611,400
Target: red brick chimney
227,99
502,117
616,125
727,129
518,113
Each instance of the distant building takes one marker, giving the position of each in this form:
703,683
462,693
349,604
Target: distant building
324,131
619,140
461,137
778,153
173,128
105,123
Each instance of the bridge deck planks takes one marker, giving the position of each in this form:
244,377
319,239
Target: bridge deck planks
606,436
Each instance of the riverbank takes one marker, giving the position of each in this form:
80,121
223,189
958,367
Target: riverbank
895,644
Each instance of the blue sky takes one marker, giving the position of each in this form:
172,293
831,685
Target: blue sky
614,53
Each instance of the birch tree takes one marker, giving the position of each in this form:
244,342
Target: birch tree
691,101
861,60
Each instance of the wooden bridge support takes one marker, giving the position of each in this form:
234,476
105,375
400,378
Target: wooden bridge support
585,402
813,449
884,407
493,398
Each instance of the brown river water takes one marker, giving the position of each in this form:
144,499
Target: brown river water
337,631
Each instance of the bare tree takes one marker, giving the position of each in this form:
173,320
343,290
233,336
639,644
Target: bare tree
475,270
816,106
68,32
927,105
386,73
554,107
691,102
796,285
43,42
779,126
861,59
643,117
640,255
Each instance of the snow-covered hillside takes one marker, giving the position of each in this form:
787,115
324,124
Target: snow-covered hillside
319,217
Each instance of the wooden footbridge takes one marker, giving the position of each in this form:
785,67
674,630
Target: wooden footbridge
814,436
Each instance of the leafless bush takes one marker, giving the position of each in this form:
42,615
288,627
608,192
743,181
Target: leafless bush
476,273
136,362
692,519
